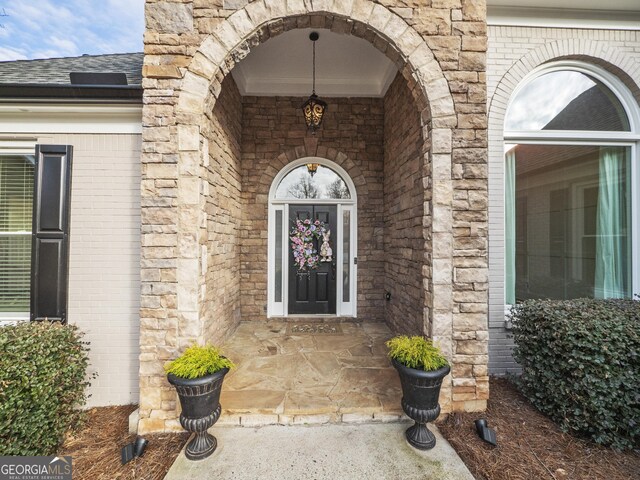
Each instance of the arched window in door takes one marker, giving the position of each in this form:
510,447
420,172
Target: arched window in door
312,181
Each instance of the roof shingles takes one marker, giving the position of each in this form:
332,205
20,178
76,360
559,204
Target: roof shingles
56,70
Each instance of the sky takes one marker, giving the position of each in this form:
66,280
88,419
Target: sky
68,28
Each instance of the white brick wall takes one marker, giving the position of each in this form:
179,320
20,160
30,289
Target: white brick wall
512,53
104,265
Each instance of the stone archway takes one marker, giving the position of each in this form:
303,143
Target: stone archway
178,100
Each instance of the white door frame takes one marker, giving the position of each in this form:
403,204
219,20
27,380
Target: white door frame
279,208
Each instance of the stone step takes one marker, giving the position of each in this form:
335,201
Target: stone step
320,319
262,419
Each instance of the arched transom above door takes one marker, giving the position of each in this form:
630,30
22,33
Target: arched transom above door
313,178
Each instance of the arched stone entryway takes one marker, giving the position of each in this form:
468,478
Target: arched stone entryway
178,178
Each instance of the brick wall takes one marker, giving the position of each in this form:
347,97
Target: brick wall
272,126
221,306
104,259
513,52
404,201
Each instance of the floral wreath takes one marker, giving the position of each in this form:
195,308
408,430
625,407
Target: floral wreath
302,235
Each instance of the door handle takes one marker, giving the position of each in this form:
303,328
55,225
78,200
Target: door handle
333,270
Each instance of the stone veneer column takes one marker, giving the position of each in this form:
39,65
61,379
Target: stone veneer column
190,45
469,172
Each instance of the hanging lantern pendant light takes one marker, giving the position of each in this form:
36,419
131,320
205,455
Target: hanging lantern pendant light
314,108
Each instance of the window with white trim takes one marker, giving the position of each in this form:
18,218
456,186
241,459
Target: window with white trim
570,186
16,205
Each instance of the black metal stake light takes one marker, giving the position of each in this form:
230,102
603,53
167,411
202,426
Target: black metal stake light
314,108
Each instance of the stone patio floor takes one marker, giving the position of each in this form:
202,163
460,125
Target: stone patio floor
288,377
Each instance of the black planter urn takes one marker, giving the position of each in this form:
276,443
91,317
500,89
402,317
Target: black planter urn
420,392
200,401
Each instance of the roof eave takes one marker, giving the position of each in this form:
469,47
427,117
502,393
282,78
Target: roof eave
21,91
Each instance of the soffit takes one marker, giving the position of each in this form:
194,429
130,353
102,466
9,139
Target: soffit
346,66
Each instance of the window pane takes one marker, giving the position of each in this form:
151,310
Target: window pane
570,232
566,100
278,257
16,195
323,184
346,256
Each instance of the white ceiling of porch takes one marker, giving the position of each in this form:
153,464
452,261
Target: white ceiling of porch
346,66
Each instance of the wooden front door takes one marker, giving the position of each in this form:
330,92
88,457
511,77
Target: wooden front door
315,292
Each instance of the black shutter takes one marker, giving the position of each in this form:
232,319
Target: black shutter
50,237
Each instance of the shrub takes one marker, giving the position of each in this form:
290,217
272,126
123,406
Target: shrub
198,361
42,386
416,352
581,365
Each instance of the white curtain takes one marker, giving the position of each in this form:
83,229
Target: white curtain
611,253
510,226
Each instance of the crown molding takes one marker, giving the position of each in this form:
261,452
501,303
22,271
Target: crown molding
563,18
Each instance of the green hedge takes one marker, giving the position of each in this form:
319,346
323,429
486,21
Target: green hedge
42,386
581,365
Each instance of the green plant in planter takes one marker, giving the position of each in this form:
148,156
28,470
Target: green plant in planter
421,367
197,375
198,361
416,352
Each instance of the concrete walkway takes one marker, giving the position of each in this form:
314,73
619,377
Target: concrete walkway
325,452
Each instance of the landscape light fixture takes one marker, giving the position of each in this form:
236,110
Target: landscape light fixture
314,108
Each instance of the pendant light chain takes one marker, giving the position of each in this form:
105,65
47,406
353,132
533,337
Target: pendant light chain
314,68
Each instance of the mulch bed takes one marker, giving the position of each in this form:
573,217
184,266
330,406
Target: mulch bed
530,446
95,449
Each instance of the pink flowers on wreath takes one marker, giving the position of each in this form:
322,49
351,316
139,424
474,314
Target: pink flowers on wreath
302,235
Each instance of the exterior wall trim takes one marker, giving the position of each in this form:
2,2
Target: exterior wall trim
563,18
27,118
